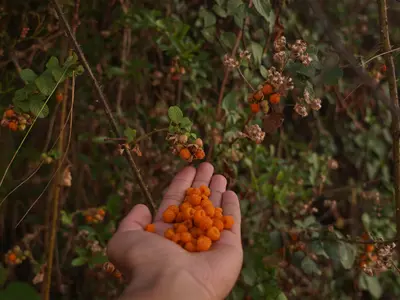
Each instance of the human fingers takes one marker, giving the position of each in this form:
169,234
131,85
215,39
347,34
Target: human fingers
176,190
231,207
136,219
217,187
203,175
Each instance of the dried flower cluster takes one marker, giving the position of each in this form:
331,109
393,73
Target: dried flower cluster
83,240
94,215
16,256
254,133
188,151
230,62
281,83
15,121
377,259
303,104
298,52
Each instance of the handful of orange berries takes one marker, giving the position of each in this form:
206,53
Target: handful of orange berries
196,222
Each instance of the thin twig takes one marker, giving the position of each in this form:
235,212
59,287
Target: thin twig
391,76
107,109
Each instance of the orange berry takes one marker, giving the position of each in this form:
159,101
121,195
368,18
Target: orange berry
363,257
205,223
10,113
184,206
369,248
228,222
363,264
150,228
189,191
203,243
101,212
185,154
169,216
294,236
267,89
210,210
12,257
198,216
258,95
205,190
186,237
198,207
188,223
200,154
218,224
59,97
205,203
365,236
13,126
195,199
181,228
188,213
179,217
275,98
176,238
383,68
213,233
218,213
196,232
117,274
169,233
89,219
255,107
190,247
173,208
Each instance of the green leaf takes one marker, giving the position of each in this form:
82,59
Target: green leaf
229,101
28,75
65,218
309,266
275,239
39,109
130,134
257,51
53,63
59,74
209,18
98,259
264,9
175,114
79,261
264,72
114,205
45,83
249,276
347,254
332,76
186,124
220,11
19,291
374,287
3,274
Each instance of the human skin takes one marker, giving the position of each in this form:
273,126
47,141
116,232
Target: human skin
157,268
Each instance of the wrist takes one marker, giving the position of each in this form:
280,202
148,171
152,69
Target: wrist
172,284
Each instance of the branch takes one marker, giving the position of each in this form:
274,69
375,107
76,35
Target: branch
107,109
391,76
342,51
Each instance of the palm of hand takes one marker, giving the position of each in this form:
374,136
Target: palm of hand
140,253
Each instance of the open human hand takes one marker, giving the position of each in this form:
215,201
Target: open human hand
157,268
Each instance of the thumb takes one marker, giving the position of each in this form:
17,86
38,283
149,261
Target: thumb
123,241
136,219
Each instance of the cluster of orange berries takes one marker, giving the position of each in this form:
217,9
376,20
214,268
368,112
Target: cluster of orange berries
196,222
94,216
187,151
368,257
15,121
261,98
111,269
16,256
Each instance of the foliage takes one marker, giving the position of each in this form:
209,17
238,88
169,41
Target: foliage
315,190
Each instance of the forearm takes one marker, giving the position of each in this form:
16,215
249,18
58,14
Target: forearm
172,285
